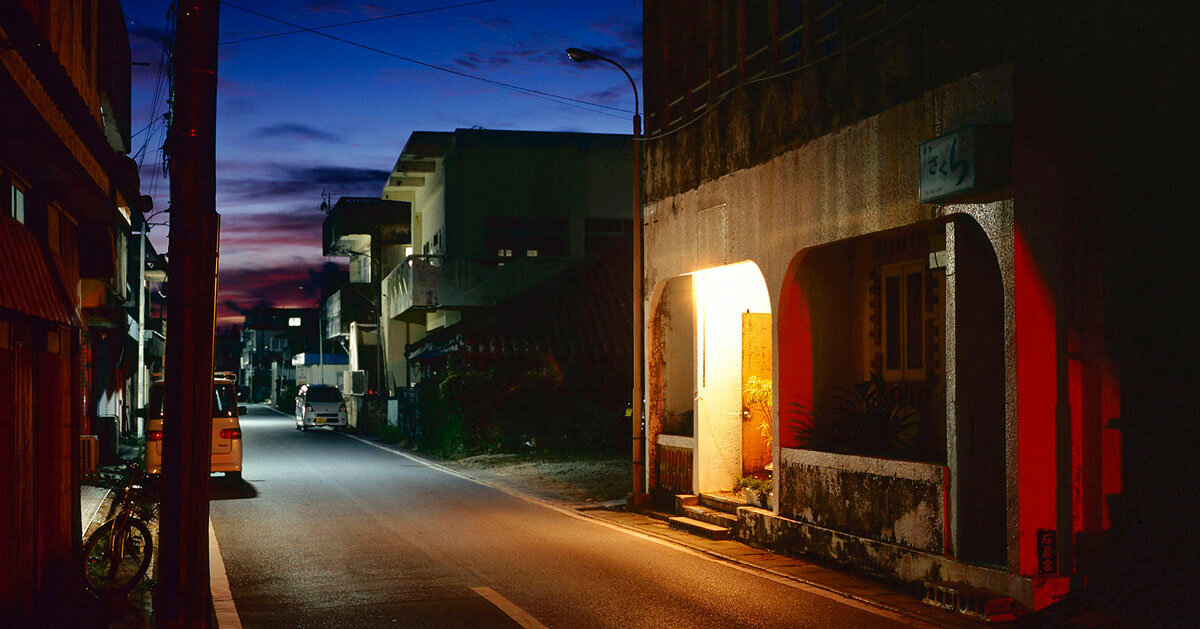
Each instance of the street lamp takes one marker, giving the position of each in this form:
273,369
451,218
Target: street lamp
579,55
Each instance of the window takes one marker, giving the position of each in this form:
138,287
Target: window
16,203
902,295
531,253
546,236
293,322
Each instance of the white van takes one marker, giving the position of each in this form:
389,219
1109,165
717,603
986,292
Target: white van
226,430
320,405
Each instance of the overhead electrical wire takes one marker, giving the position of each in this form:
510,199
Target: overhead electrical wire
562,100
711,108
361,21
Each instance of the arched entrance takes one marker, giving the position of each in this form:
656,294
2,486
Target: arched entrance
710,380
914,317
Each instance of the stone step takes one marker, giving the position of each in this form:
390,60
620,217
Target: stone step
969,601
722,502
696,527
685,500
712,516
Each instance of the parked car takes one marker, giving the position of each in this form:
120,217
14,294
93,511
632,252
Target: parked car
320,405
226,430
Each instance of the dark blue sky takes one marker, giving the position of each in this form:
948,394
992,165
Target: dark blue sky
302,113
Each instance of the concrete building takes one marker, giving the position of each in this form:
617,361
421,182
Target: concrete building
270,338
67,196
374,235
898,216
496,212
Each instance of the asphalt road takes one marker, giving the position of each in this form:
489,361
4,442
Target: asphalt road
328,531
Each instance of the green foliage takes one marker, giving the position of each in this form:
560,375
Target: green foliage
871,418
757,392
512,407
391,434
760,485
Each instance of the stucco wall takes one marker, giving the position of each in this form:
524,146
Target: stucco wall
898,502
859,180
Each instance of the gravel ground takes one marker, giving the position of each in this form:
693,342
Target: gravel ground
587,478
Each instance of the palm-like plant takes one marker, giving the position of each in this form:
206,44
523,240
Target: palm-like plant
871,418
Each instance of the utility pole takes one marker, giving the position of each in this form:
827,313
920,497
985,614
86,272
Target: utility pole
141,322
637,408
184,599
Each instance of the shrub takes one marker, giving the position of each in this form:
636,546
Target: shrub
871,418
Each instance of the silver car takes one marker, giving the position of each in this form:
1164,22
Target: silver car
320,405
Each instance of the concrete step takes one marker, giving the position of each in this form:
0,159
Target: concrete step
685,500
712,516
727,503
696,527
969,601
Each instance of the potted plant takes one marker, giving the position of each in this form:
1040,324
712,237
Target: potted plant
755,491
874,418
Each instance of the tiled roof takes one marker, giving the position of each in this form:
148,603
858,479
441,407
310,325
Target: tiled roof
584,311
28,282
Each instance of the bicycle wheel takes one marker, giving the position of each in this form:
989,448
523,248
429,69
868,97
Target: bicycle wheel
117,561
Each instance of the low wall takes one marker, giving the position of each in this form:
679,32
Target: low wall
896,502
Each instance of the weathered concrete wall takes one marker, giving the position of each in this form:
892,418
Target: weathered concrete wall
765,529
898,502
859,180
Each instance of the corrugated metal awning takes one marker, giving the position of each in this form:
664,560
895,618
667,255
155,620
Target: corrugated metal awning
28,283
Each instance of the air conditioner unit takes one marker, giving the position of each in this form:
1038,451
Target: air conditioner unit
354,382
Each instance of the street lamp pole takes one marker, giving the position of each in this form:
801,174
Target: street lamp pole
639,290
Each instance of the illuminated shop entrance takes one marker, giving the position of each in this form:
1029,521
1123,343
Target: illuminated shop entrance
710,394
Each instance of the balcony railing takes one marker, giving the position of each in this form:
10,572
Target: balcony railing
423,283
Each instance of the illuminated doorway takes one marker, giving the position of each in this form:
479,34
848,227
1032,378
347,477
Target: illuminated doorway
710,379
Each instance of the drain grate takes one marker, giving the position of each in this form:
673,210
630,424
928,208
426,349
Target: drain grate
969,601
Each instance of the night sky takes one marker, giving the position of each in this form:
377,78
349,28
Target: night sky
301,113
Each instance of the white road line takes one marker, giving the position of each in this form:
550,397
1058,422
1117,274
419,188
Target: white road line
510,608
222,597
730,562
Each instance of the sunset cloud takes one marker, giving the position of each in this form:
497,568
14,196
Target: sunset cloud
292,131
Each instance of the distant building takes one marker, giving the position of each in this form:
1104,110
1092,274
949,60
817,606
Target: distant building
374,235
495,213
67,197
317,368
270,337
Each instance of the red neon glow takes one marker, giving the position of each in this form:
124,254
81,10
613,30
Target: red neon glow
1035,313
795,352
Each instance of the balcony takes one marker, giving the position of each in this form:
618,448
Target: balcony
350,304
353,221
422,284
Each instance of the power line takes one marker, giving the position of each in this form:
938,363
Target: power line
351,22
509,86
713,107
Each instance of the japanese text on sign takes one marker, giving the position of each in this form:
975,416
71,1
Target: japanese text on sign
947,165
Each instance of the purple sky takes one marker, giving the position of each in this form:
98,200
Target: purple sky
301,113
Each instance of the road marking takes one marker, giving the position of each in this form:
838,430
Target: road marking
222,597
850,600
510,608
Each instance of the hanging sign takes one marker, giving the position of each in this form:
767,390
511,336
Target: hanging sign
969,160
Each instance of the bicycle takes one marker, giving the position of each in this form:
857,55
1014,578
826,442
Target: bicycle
117,554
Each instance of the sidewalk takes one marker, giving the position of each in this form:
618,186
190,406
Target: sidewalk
805,574
91,501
